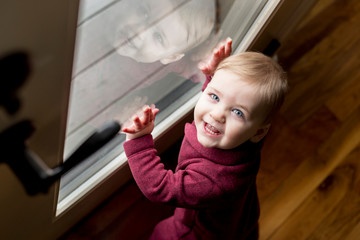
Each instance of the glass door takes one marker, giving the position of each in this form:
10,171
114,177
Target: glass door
44,31
99,61
134,52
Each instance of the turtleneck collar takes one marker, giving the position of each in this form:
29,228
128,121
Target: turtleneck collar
245,151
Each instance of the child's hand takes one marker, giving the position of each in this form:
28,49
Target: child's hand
221,51
141,125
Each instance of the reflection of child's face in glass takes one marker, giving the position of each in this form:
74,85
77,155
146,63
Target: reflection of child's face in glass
153,31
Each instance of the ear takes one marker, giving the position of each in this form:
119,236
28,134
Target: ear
260,133
172,58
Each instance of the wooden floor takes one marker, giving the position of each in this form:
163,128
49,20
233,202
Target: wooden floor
309,181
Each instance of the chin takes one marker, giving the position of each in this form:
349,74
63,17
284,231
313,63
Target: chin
143,59
206,143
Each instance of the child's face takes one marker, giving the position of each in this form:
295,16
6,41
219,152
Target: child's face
153,31
229,112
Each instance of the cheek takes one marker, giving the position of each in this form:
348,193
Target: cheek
152,52
238,133
199,108
234,132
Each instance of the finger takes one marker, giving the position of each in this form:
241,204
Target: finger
146,116
128,130
228,48
137,122
128,127
155,112
201,65
222,52
215,60
216,53
151,116
139,112
220,44
204,68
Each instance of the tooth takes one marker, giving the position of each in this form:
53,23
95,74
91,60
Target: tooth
211,129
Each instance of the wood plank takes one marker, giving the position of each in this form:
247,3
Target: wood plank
300,143
317,206
326,60
286,198
321,26
319,127
116,217
346,101
355,233
110,211
137,222
320,6
346,216
275,165
312,93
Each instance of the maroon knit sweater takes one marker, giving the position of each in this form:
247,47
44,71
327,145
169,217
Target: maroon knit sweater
214,190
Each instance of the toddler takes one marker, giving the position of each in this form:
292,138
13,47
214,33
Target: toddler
214,184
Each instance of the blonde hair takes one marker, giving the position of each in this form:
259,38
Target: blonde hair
262,71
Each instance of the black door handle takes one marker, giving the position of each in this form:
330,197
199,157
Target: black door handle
33,173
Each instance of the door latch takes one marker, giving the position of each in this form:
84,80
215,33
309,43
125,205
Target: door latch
33,173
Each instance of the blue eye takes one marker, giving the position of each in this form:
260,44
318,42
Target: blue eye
238,113
215,97
157,37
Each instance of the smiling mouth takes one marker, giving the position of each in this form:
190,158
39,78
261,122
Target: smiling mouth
211,130
130,43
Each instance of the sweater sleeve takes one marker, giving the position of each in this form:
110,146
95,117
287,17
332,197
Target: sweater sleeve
185,188
208,79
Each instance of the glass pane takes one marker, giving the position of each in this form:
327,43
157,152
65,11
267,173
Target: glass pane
135,52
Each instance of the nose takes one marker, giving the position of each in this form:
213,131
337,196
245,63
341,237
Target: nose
218,114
